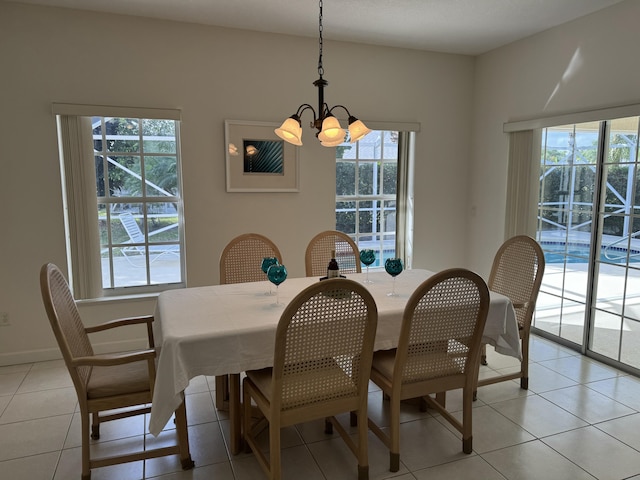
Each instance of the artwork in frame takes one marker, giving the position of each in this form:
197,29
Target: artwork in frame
258,160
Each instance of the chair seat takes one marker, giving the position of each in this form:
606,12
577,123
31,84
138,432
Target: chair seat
336,384
440,364
118,380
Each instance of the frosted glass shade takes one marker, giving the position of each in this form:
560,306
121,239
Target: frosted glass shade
331,130
290,131
357,129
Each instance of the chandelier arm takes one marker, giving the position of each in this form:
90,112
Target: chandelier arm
303,107
330,110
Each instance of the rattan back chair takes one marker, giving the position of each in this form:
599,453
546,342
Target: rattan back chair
240,262
438,350
322,360
241,259
105,382
319,250
516,273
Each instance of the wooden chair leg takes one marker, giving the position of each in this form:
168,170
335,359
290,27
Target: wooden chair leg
524,367
467,422
467,445
275,464
353,419
394,450
483,351
328,426
394,462
363,445
86,463
483,354
95,426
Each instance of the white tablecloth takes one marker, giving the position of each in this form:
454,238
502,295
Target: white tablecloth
225,329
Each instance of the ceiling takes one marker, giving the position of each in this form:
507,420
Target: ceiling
468,27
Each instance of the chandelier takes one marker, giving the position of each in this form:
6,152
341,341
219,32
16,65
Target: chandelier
330,133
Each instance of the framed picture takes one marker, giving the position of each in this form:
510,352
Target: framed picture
258,160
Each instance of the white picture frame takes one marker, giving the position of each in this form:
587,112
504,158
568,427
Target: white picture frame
257,160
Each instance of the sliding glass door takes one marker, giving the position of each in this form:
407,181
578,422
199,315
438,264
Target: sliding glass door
588,224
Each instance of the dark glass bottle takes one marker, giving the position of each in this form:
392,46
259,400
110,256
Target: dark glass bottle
333,270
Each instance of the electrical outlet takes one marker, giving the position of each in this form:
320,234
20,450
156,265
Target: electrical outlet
4,319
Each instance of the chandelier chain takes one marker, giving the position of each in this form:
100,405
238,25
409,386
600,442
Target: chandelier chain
320,69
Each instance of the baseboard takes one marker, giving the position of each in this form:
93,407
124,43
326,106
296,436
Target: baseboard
29,356
48,354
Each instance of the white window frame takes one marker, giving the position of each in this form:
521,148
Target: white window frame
80,199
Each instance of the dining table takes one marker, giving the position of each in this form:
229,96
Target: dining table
228,329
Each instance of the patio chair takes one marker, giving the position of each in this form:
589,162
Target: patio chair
319,250
137,239
516,273
321,364
240,262
107,385
438,350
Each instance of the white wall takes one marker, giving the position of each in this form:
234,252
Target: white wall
212,74
586,64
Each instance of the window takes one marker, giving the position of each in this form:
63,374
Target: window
123,203
370,184
138,200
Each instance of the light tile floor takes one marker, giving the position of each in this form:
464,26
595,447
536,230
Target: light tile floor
578,420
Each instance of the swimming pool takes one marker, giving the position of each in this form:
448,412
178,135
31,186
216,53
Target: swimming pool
556,252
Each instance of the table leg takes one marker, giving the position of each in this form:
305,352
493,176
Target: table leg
222,392
183,436
235,419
